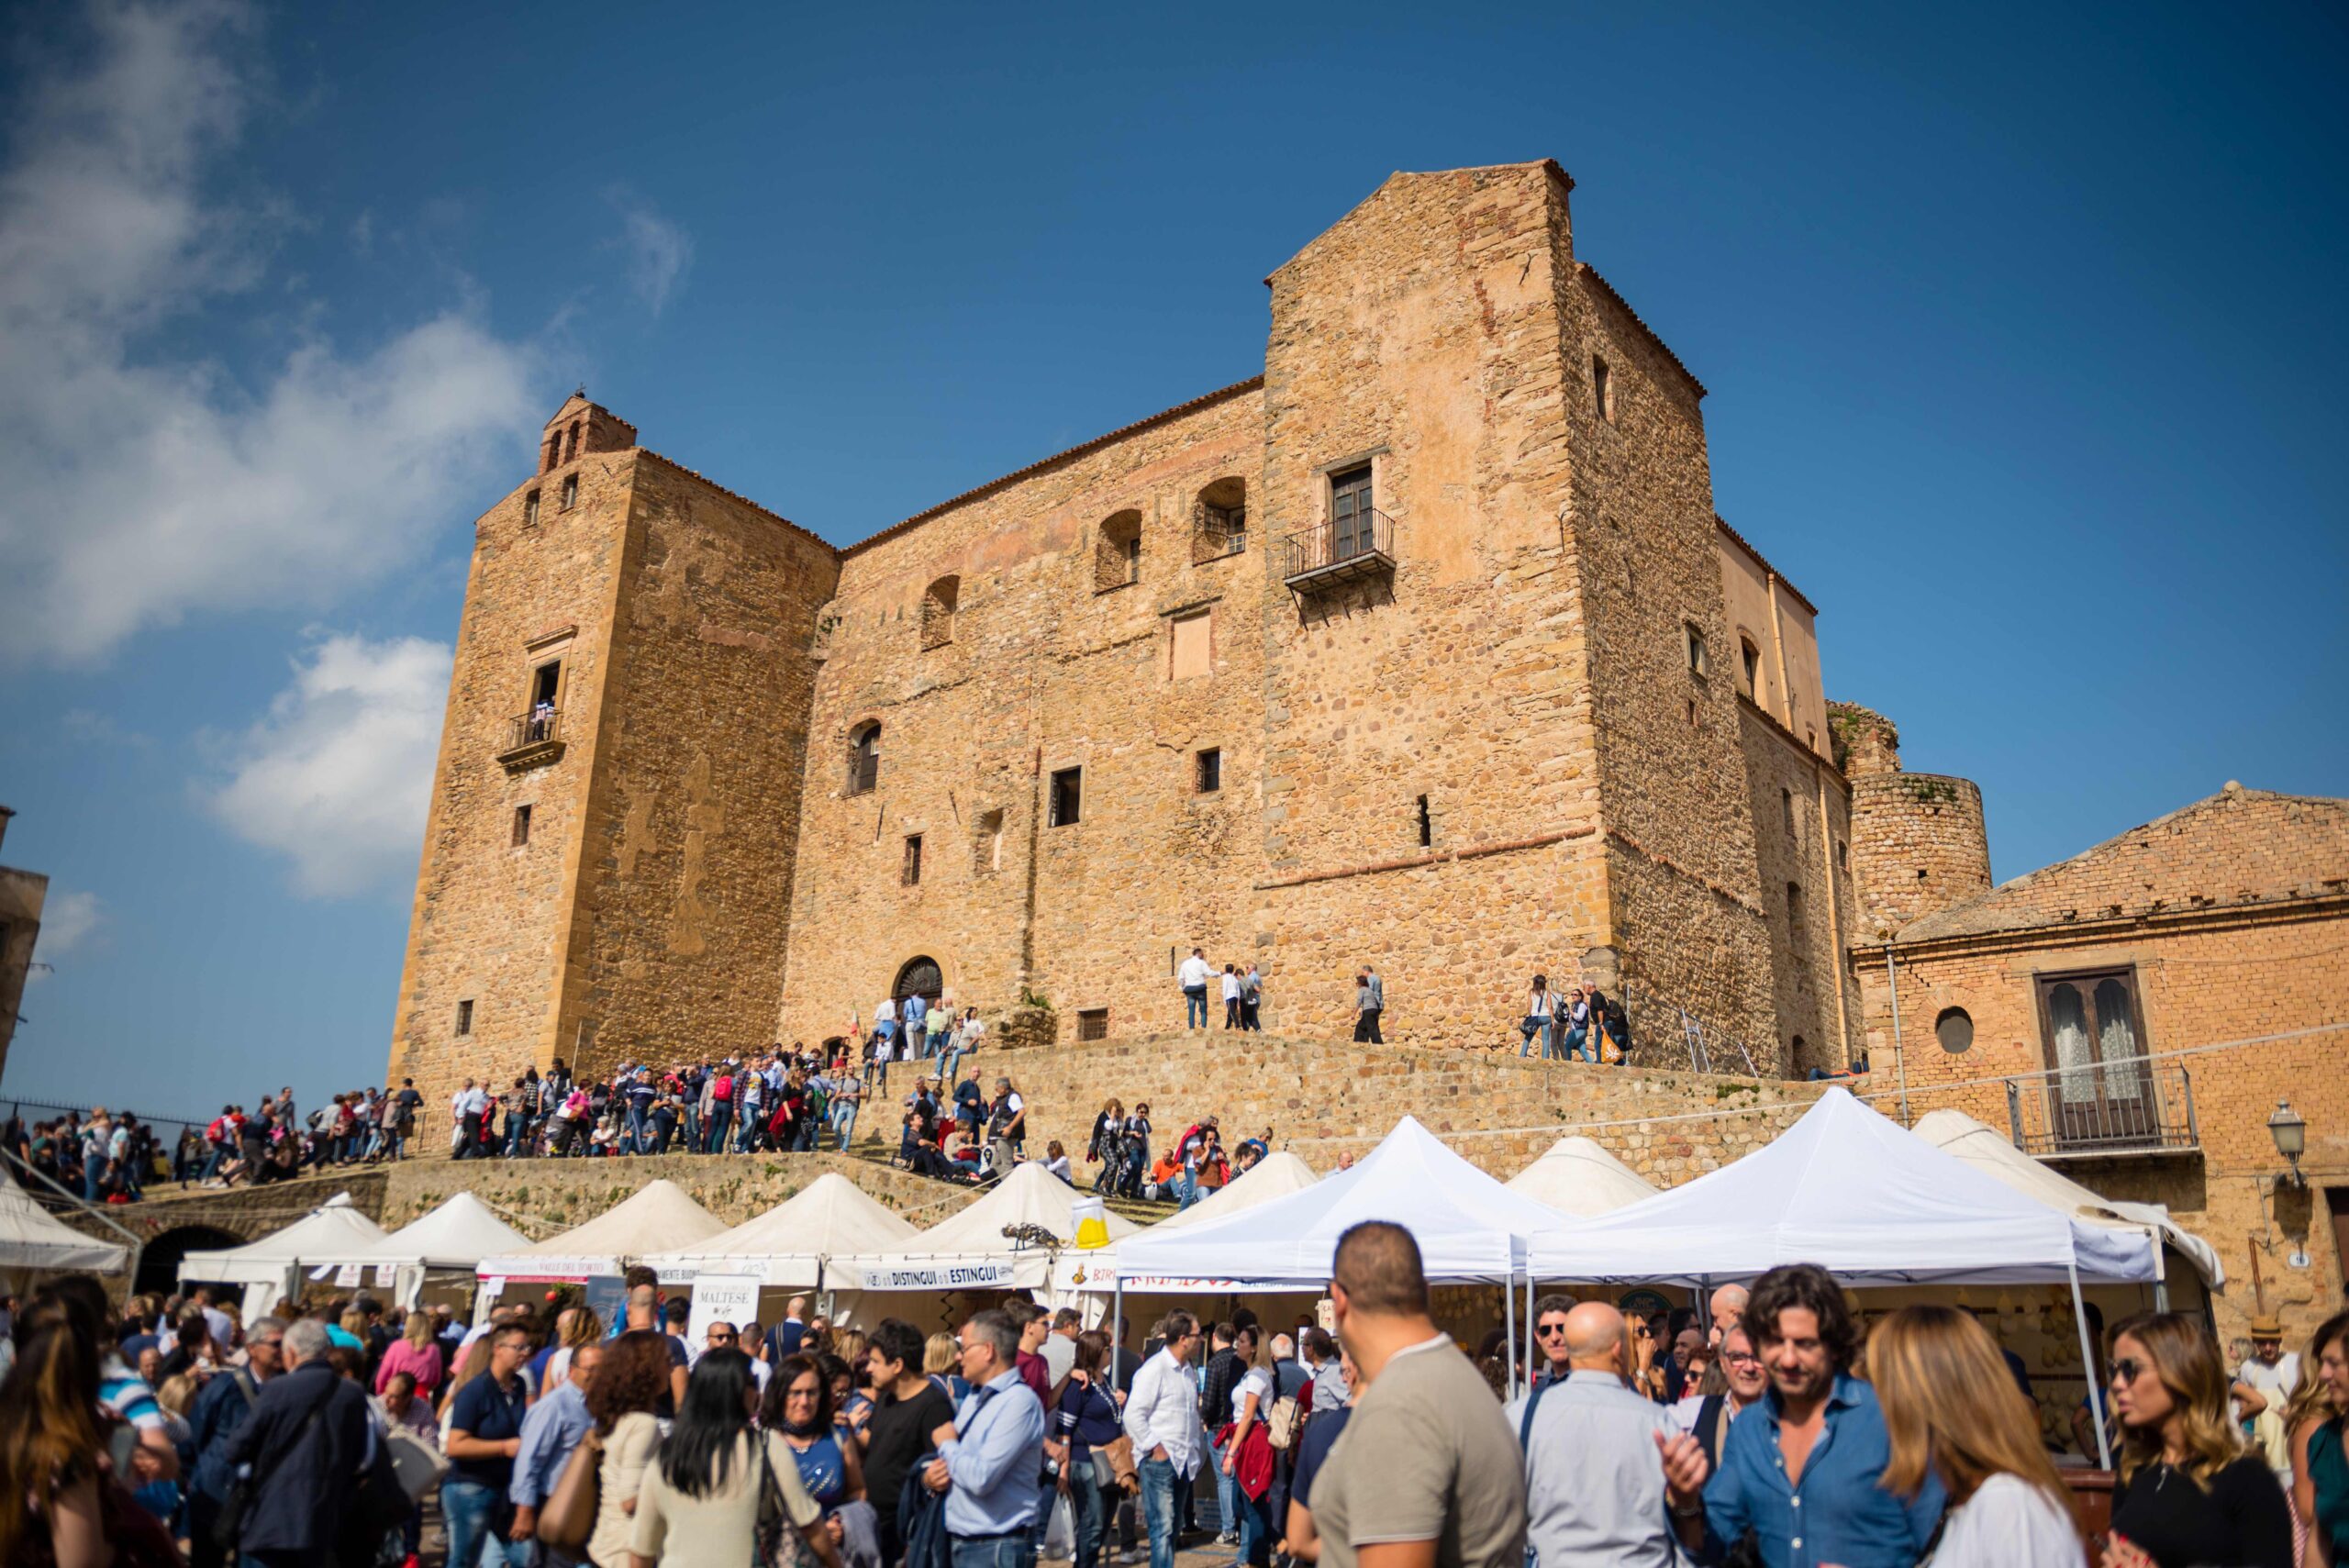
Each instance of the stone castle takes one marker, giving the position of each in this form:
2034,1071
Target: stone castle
1423,649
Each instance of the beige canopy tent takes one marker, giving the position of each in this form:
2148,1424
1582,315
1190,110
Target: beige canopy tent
658,1216
788,1245
453,1237
1994,1154
998,1243
1576,1177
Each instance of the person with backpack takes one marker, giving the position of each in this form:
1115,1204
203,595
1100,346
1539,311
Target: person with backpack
296,1461
720,1111
220,1409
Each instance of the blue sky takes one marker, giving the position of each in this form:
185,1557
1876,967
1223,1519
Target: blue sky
2022,329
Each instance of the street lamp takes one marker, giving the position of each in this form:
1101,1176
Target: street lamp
2291,1135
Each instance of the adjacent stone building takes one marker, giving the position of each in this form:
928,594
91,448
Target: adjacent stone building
2135,1015
22,894
1423,649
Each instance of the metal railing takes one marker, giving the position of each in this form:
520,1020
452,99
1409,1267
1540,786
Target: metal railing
2127,1107
1338,551
533,728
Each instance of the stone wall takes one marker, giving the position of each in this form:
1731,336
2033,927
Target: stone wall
1049,666
1802,829
1324,1097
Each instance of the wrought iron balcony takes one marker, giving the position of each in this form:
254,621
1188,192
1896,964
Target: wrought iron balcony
1331,553
532,739
2100,1109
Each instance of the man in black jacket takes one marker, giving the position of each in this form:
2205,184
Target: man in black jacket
214,1419
1222,1372
303,1474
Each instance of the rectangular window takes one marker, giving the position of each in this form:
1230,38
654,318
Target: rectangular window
1068,796
987,851
529,508
1786,807
570,491
466,1016
1192,641
521,825
1093,1023
2102,1089
911,875
546,683
1602,383
1209,777
1696,649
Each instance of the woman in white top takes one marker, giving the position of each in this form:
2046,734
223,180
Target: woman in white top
1251,1404
1537,1018
1950,1405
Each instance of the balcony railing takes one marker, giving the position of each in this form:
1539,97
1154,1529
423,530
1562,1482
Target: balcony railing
532,739
1331,553
2127,1108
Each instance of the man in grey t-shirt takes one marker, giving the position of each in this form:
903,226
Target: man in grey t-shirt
1427,1472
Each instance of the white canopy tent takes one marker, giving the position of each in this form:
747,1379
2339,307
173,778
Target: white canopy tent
1273,1176
657,1217
1470,1228
32,1239
270,1267
1857,1193
1575,1176
969,1250
456,1235
789,1244
1984,1147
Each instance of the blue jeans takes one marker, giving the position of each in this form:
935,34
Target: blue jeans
719,1115
1157,1477
640,1137
1195,1008
1575,1042
1017,1549
465,1508
844,1121
1227,1520
94,1176
953,1060
1531,1027
1255,1528
1087,1516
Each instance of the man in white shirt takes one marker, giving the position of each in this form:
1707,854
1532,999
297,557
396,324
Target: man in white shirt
1193,977
1162,1418
2268,1373
470,1106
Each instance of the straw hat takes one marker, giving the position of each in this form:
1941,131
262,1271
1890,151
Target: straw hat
2266,1325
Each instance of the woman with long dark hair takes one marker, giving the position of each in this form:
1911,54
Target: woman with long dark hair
799,1406
1081,1419
2189,1491
717,1486
60,1501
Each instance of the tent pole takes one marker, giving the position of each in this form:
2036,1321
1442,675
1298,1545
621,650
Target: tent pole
1117,1328
2087,1365
1532,1344
1509,1329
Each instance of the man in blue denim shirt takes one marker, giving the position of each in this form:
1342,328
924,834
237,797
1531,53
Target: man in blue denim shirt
1800,1470
991,1454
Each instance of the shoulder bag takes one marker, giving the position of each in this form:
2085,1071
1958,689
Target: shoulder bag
236,1508
569,1516
779,1542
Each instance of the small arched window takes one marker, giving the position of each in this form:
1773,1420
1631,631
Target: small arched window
1220,524
864,759
1117,556
1749,668
938,612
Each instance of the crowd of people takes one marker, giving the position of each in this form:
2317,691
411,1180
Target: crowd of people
1580,1023
114,1157
1773,1432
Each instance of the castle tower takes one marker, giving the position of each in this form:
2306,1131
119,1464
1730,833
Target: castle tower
615,809
1919,841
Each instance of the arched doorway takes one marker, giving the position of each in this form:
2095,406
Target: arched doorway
919,977
159,1261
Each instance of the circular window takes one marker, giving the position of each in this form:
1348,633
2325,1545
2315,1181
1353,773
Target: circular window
1955,1029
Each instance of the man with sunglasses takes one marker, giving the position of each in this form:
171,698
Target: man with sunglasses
1162,1416
1549,1336
1747,1384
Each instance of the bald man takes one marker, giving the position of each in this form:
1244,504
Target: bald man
1729,1309
1595,1490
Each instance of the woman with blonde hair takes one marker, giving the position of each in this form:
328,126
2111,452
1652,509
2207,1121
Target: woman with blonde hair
2317,1419
942,1359
415,1353
1951,1410
2188,1492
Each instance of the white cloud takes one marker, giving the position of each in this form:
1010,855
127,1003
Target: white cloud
338,776
67,920
146,484
658,250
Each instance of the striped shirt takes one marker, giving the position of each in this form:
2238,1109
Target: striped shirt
123,1392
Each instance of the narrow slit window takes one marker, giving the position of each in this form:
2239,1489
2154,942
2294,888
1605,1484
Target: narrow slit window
1786,807
1602,383
911,874
1427,825
1209,777
570,491
466,1016
530,509
521,825
988,851
1068,797
1697,663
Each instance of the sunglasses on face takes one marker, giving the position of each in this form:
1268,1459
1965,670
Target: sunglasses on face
1551,1330
2126,1370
